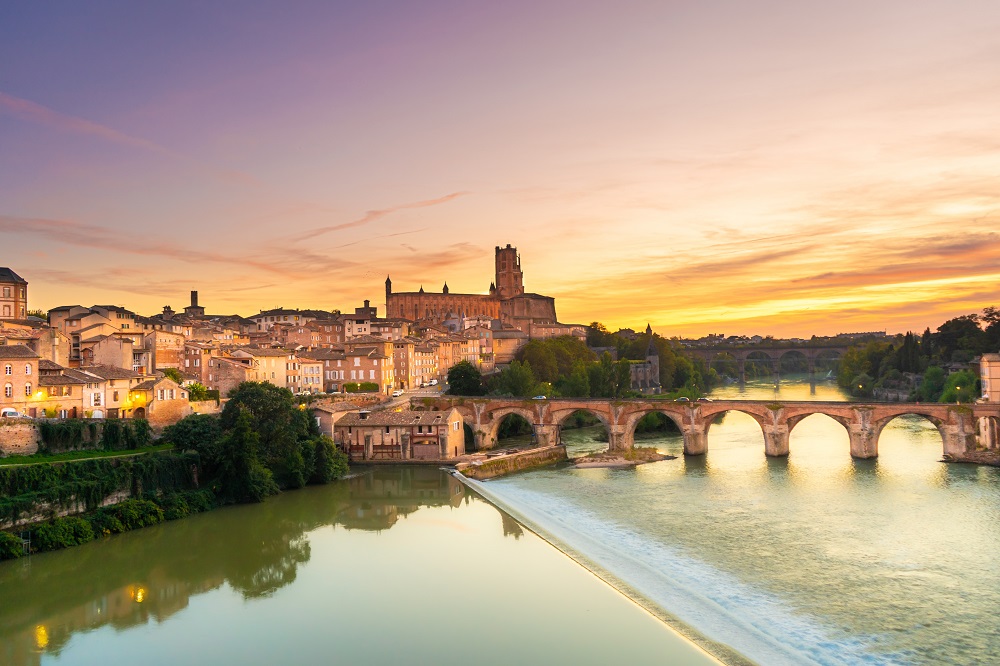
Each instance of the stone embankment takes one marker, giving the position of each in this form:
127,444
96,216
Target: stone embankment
19,437
513,462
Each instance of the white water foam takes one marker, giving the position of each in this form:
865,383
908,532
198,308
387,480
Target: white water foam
757,624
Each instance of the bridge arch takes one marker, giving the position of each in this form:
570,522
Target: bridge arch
496,418
934,419
561,417
787,357
713,414
817,417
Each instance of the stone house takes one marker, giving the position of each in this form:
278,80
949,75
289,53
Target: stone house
370,364
166,349
226,373
61,393
310,374
118,383
327,415
18,377
333,364
160,400
405,435
13,295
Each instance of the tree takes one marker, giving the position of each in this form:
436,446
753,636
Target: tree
172,373
242,476
198,432
279,424
862,385
932,384
465,379
962,386
516,380
197,392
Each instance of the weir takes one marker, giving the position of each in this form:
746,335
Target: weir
961,426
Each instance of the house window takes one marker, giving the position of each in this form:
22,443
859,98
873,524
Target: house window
27,390
170,394
114,396
159,394
95,399
8,390
8,369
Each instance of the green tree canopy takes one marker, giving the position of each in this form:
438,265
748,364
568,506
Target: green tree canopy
516,380
464,378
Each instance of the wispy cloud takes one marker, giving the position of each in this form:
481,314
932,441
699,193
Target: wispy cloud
81,234
36,113
375,215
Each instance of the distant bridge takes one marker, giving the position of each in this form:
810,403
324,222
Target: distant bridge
958,424
771,354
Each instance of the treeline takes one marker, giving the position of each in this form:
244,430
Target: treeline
567,367
261,444
916,364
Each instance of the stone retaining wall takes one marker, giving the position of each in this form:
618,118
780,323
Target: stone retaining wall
19,438
514,462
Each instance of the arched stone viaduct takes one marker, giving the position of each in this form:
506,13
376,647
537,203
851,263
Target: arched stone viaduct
958,424
773,354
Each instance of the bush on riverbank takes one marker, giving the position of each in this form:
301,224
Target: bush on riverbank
132,514
10,546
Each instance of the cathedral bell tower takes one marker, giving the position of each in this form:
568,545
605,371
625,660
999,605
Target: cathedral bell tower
510,280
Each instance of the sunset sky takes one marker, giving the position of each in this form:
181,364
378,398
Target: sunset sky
779,167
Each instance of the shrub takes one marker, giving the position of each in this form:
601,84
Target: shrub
128,515
10,546
62,533
329,462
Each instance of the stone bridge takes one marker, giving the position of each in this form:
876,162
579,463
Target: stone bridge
771,354
958,424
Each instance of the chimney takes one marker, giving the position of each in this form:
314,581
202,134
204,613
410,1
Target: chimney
194,299
367,303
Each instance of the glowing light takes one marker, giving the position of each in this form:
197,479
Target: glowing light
41,637
137,594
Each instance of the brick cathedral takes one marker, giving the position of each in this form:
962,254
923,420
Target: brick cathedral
506,300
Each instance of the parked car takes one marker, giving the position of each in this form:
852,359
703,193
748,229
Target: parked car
704,400
432,382
397,393
11,413
682,399
540,397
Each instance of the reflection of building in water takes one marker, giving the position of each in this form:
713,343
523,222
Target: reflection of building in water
157,597
383,495
510,526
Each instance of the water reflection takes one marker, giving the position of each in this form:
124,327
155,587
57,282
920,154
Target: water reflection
151,574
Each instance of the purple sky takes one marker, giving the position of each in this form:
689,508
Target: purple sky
774,167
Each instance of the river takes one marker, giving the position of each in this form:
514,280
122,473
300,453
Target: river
398,565
813,558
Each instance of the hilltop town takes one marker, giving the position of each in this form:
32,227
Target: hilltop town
109,361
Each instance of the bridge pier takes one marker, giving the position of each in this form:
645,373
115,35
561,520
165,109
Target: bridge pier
546,435
743,371
482,440
959,437
776,440
619,439
864,441
695,440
